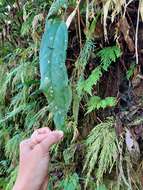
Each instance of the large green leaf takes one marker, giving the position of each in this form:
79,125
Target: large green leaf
56,6
54,79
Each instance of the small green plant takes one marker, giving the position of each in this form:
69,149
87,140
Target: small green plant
108,56
76,53
101,150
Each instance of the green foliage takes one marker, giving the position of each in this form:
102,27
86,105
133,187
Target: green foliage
12,147
92,80
85,55
101,150
101,187
26,26
96,102
24,108
70,183
3,183
107,56
54,79
69,154
80,67
56,7
130,71
12,179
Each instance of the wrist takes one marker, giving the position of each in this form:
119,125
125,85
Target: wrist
19,186
26,183
22,184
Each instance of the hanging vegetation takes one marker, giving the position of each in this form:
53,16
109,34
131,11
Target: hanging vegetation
75,66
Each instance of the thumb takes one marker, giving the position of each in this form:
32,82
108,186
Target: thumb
53,137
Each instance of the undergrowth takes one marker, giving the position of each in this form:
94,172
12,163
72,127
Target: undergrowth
102,150
95,153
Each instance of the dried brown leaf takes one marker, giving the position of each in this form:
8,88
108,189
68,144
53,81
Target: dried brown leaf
125,29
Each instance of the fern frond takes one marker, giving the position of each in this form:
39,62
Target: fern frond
70,182
80,67
96,102
12,146
12,179
85,54
23,108
32,118
82,62
108,55
102,150
87,85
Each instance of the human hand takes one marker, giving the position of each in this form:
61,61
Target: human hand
34,159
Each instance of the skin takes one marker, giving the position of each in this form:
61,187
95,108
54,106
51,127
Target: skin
34,159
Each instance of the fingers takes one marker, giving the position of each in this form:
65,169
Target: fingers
53,137
39,135
25,147
36,139
44,137
43,130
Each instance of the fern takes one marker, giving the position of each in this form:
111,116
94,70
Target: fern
32,118
85,54
26,26
102,150
96,102
108,55
4,164
80,67
92,80
12,147
25,108
71,182
69,153
12,179
82,62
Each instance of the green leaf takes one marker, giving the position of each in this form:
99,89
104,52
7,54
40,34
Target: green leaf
54,78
